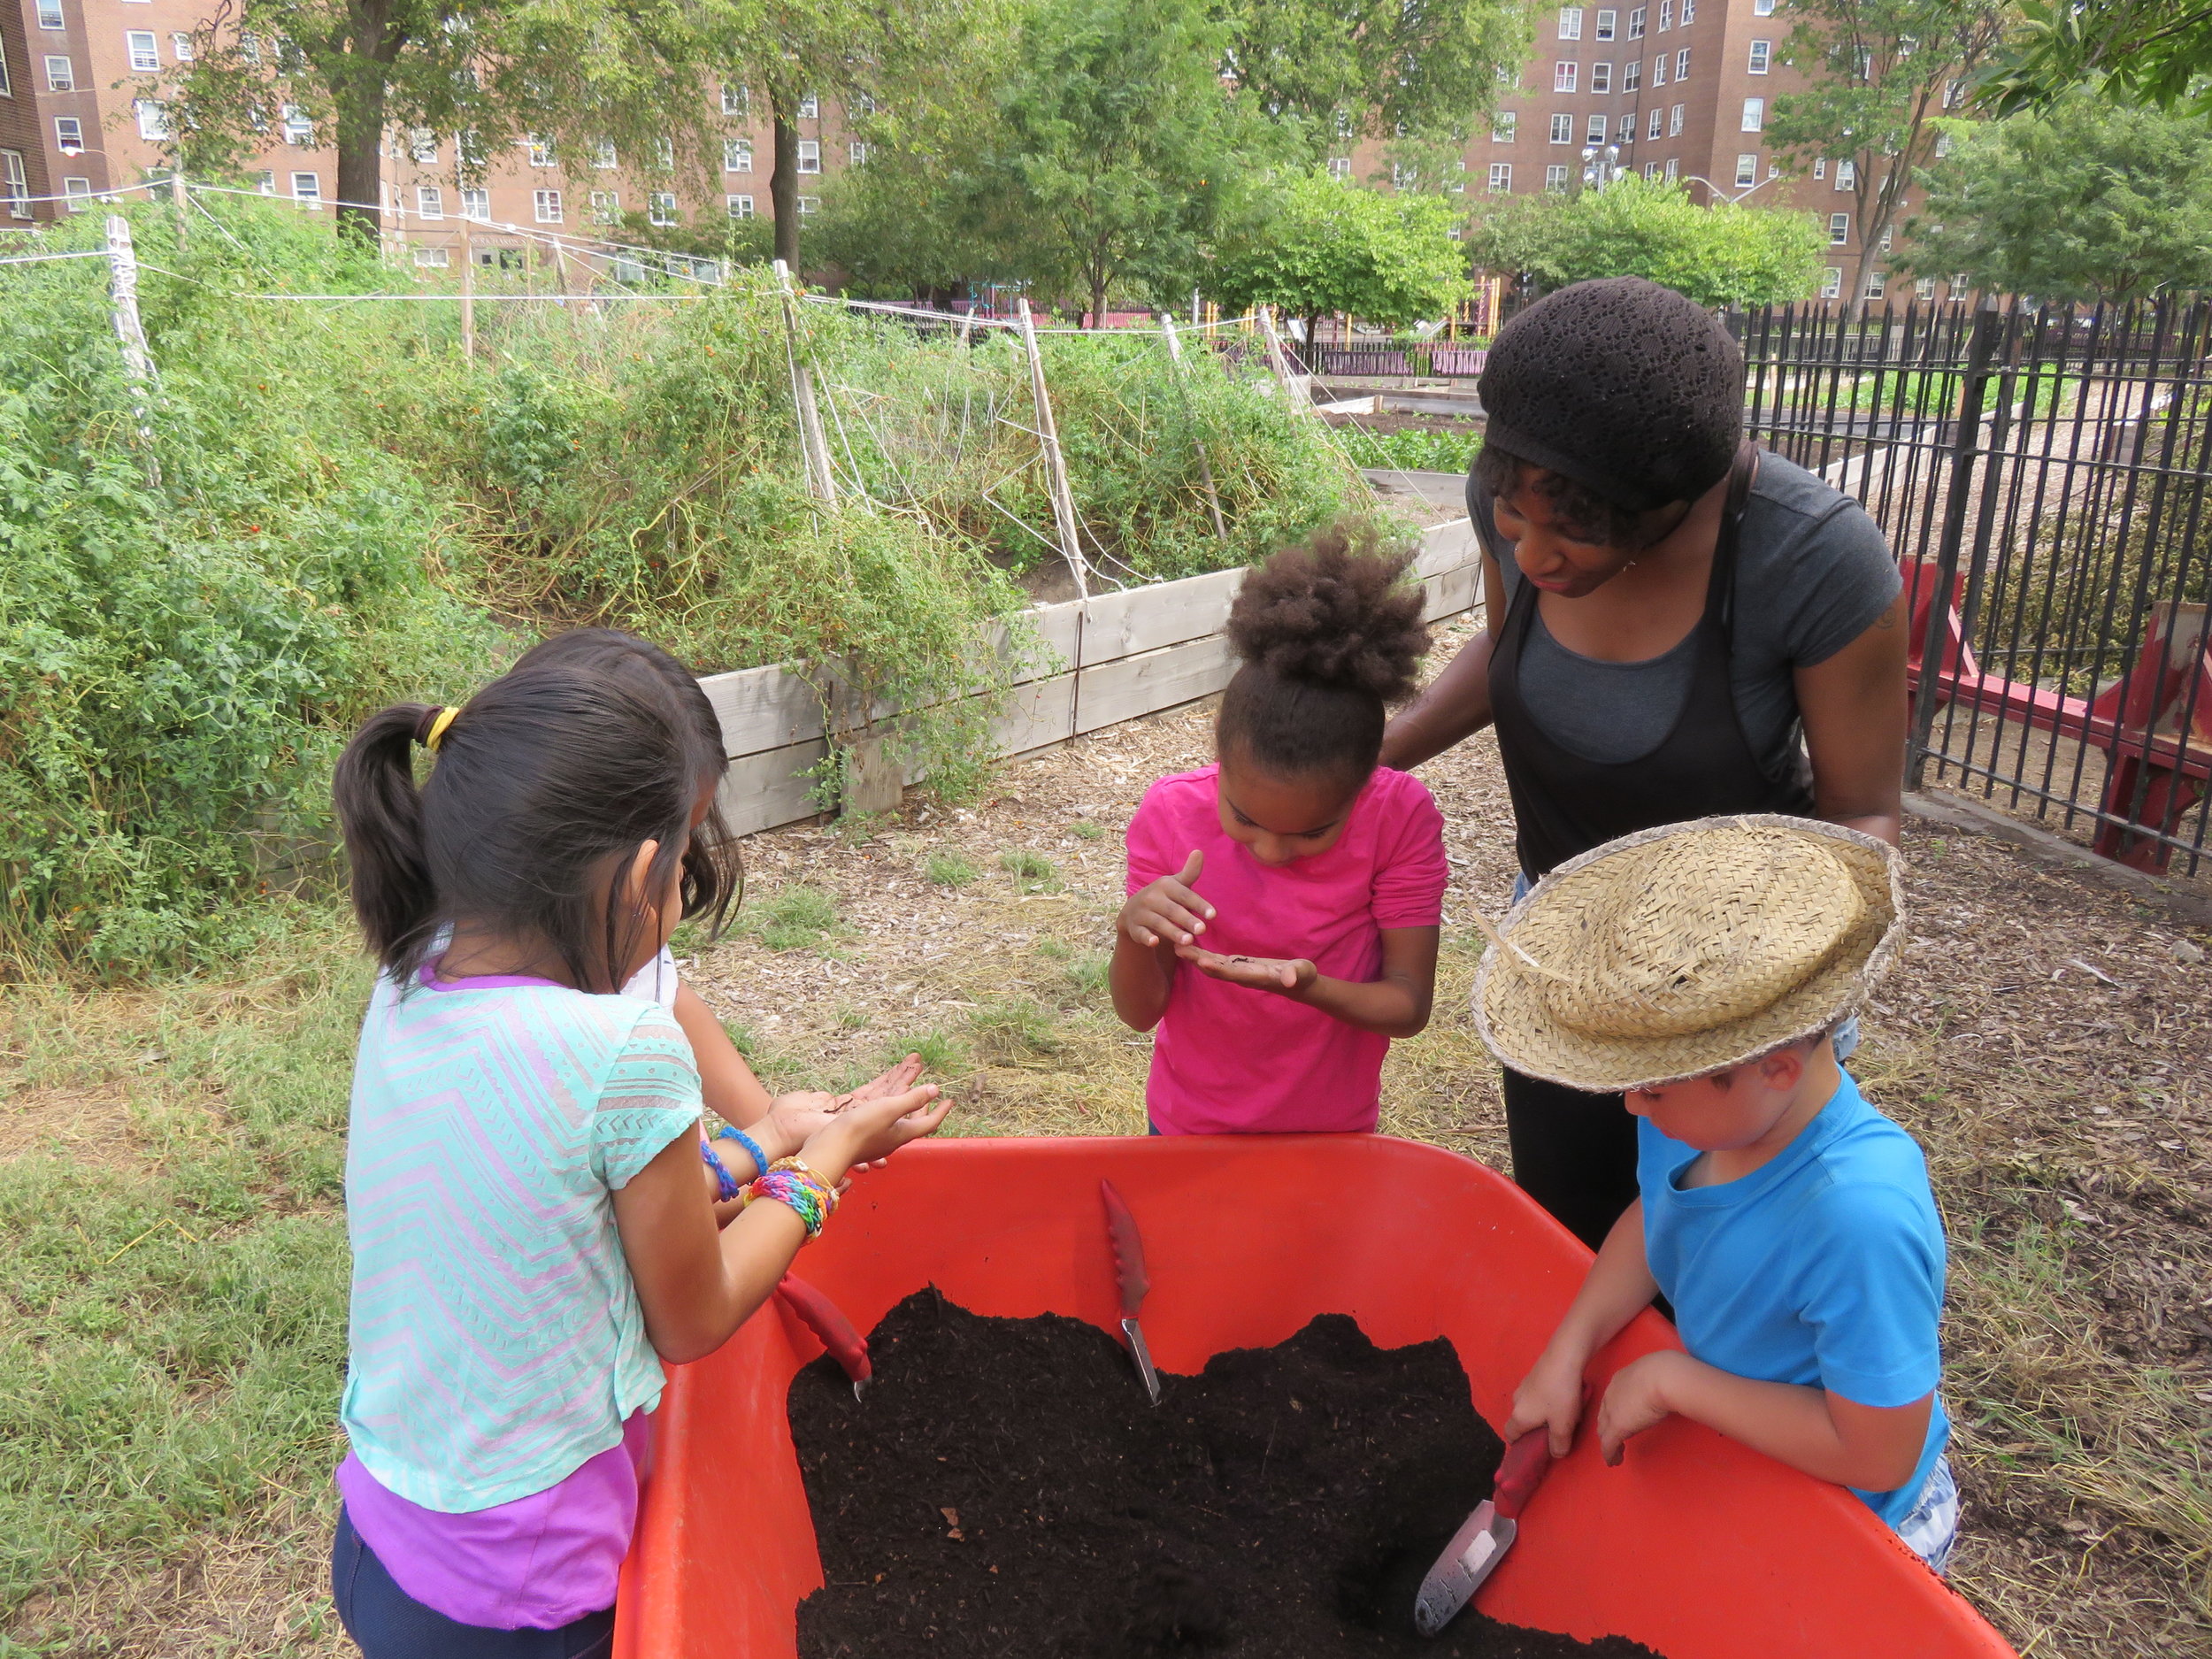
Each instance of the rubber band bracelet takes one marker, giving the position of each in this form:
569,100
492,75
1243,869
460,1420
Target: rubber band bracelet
804,1193
731,1131
727,1186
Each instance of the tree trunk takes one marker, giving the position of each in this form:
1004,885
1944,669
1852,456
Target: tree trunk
783,180
1098,301
361,161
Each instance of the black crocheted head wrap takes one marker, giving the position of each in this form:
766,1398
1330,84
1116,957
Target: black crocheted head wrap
1627,388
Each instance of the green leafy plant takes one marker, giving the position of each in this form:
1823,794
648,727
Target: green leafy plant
950,869
1032,870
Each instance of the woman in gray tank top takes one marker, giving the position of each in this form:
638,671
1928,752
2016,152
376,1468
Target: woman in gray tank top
1679,626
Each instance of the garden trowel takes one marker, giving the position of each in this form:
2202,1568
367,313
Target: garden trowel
1121,1228
1488,1533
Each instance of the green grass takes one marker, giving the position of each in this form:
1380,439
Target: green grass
950,869
940,1055
1033,872
796,917
1083,829
1014,1029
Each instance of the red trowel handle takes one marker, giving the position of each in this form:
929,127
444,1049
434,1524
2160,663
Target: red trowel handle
1526,1462
820,1315
1121,1227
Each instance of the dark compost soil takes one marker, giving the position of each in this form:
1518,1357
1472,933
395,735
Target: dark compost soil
1006,1489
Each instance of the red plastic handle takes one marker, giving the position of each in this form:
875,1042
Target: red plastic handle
1121,1227
1526,1462
821,1316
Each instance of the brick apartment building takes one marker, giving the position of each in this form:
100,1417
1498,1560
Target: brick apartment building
81,113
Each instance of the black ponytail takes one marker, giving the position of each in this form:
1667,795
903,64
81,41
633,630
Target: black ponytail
1330,633
379,811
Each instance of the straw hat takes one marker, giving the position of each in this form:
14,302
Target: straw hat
1688,949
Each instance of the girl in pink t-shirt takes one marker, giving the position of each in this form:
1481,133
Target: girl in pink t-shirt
1284,902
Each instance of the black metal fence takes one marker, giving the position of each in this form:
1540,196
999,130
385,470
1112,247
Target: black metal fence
2043,477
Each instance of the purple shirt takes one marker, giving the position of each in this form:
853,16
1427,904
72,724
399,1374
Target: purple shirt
536,1564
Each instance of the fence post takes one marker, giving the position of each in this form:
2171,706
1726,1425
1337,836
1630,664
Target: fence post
177,195
1056,463
821,483
1198,441
1297,396
1965,445
468,291
138,363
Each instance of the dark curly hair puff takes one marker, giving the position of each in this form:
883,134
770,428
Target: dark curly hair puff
1330,634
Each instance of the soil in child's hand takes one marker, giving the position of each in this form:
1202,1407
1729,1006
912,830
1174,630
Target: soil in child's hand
1005,1489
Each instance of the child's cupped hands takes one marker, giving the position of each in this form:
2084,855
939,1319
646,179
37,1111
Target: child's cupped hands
1167,909
868,1130
1285,974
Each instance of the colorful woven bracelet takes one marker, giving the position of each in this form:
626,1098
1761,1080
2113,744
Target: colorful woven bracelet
791,1183
731,1131
726,1185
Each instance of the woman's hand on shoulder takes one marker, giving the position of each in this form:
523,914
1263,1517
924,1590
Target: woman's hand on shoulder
1287,975
1167,909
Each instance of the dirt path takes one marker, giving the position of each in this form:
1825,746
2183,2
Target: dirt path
2045,1037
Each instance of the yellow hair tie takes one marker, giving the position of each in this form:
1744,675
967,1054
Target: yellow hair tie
436,734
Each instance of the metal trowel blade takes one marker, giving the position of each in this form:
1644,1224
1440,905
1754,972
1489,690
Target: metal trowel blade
1459,1572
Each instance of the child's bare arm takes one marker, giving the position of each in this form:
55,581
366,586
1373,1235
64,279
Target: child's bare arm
1619,1286
1872,1447
730,1088
1396,1003
1157,918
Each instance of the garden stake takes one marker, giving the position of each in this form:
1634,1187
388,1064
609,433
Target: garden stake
1121,1231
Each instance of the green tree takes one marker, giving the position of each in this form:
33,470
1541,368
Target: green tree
1325,246
1880,76
1337,70
1719,256
2091,200
2134,51
477,75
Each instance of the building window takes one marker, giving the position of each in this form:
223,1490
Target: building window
68,135
430,201
1682,64
857,153
740,206
1689,12
1658,122
1762,8
1674,121
1339,166
1820,167
180,46
809,108
144,54
1754,115
1832,283
1500,177
1847,175
547,204
77,192
422,145
1875,283
736,101
433,259
1503,126
1839,229
1659,70
737,155
660,208
810,205
1746,170
61,76
49,15
1402,177
606,206
1651,170
1606,28
1563,76
1925,288
540,150
1674,168
809,154
1555,180
1569,23
603,155
1594,133
665,154
1888,231
15,183
1666,15
476,203
153,120
1774,170
1636,24
1761,57
1633,74
1562,129
308,188
264,181
299,130
1627,131
1600,77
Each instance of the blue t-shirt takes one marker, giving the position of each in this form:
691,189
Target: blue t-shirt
1823,1267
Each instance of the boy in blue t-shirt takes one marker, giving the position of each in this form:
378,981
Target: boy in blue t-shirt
1788,1222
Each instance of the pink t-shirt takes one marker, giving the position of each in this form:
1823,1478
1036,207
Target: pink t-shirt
1229,1060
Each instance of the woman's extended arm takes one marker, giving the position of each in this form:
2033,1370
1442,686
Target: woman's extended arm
731,1090
1456,703
1854,707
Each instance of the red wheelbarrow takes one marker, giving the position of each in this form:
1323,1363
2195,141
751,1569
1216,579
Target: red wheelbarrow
1697,1546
